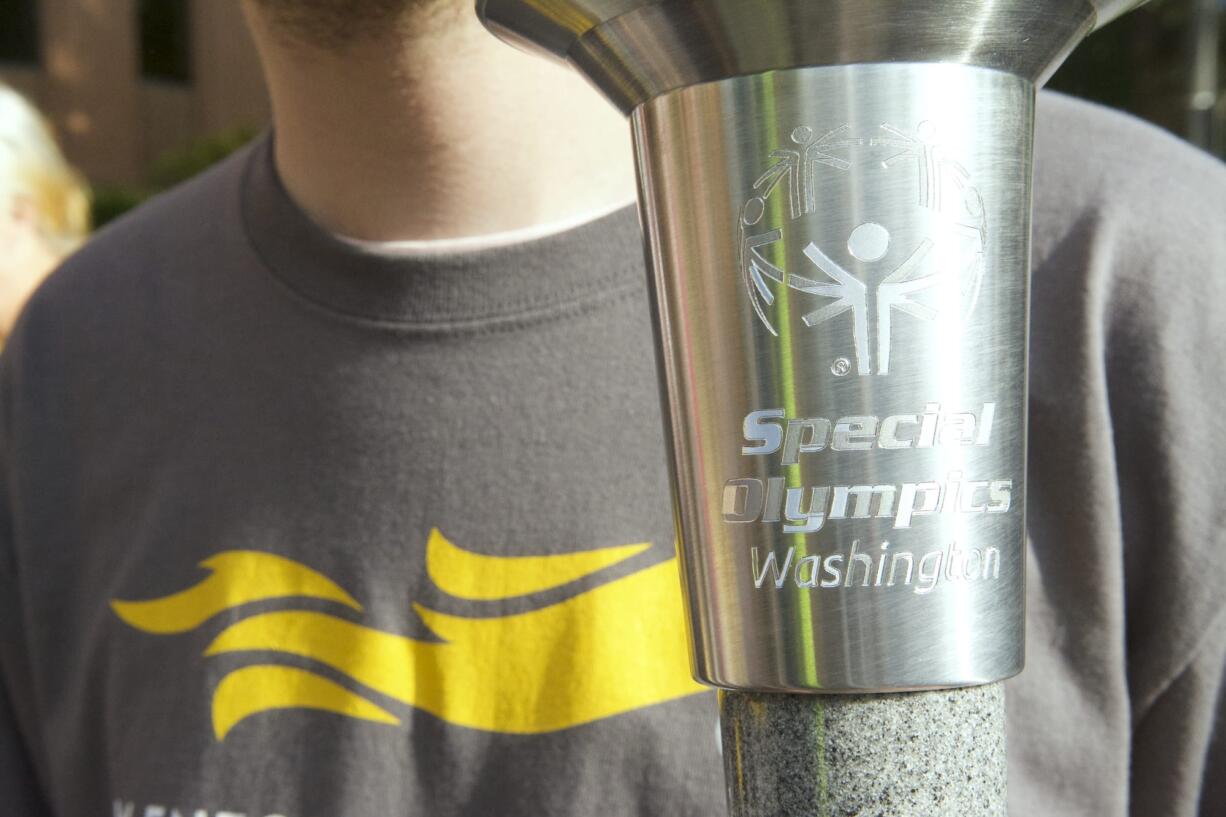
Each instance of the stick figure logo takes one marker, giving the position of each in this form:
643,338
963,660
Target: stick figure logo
921,256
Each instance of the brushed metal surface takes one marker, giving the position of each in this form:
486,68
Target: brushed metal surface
847,245
1108,10
633,50
836,198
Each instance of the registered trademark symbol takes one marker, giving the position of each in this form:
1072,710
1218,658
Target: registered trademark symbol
841,367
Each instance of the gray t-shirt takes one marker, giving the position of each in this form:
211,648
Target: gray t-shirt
292,527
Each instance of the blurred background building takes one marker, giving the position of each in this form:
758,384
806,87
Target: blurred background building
145,92
124,81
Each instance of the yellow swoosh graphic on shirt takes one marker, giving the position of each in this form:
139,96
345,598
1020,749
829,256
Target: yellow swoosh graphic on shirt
615,648
238,577
263,688
598,654
468,575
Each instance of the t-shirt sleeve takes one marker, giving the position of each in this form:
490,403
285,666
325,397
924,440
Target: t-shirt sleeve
1161,246
1213,791
1137,252
1167,371
1179,750
20,792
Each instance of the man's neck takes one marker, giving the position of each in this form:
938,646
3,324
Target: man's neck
442,135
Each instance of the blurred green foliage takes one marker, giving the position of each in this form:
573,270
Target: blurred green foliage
109,202
176,166
171,168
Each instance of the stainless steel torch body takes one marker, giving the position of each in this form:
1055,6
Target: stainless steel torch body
836,195
840,256
836,199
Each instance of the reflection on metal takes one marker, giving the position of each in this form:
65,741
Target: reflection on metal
853,526
836,195
634,50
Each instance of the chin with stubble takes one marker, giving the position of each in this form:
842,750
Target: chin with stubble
339,23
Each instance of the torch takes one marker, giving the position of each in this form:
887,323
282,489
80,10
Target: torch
836,201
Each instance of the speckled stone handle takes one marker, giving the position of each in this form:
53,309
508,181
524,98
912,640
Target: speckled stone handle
916,754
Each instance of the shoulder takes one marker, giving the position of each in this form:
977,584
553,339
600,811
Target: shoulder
1124,183
1127,222
162,233
133,299
1083,146
136,271
1129,254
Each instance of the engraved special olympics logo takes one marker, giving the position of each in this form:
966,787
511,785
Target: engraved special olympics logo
917,250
